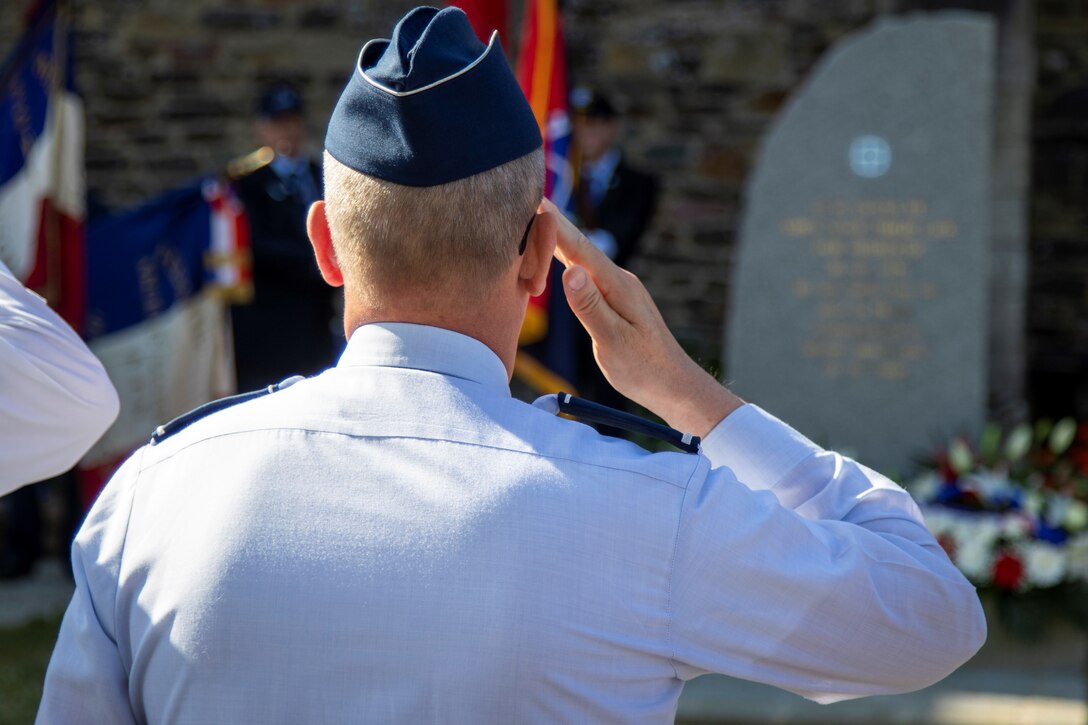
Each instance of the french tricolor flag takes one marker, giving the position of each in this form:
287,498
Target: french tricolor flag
42,185
158,278
542,75
545,361
147,287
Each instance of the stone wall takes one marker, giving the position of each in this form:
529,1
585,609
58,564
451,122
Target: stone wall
700,82
170,89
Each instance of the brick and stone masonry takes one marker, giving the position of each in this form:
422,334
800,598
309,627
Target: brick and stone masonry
170,89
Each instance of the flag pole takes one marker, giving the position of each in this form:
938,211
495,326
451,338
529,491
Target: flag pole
57,83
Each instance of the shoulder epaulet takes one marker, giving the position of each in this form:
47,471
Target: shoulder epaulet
185,420
245,165
603,415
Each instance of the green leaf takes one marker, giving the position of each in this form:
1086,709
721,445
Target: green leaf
988,444
1061,437
1042,429
959,456
1033,503
1019,442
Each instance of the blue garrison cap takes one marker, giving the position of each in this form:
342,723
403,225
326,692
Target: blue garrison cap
431,105
278,100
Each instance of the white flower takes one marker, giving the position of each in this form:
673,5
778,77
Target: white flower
1076,516
939,520
1015,526
1077,548
987,528
1057,507
1033,502
963,530
925,487
989,485
975,558
1045,564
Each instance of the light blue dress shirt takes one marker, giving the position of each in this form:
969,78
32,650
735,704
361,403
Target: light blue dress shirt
599,173
296,178
399,540
56,399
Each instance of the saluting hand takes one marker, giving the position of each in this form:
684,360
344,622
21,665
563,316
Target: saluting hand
631,342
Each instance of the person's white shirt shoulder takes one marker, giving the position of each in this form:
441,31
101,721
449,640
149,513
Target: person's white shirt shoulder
56,399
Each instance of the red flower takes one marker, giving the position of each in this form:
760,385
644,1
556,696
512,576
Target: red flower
1008,571
1079,450
944,467
948,543
972,500
1079,447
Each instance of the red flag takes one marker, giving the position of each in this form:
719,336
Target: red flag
542,67
42,190
485,16
542,74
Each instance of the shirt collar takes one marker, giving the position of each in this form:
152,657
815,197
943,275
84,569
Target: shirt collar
602,168
285,166
421,347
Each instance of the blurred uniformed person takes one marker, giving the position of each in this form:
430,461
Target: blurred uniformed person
287,327
614,204
614,201
399,540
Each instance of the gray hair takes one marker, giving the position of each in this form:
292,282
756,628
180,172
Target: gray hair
457,236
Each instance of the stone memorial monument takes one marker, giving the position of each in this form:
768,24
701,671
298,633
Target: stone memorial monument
859,311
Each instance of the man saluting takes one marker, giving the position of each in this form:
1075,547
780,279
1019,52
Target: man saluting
398,540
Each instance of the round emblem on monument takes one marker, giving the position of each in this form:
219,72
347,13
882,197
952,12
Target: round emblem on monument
870,156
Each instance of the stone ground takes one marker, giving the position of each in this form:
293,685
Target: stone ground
994,689
970,696
46,592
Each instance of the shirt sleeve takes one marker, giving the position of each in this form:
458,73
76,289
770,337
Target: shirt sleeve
87,678
802,569
55,397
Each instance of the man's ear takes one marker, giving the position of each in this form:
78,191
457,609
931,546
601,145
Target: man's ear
537,259
317,227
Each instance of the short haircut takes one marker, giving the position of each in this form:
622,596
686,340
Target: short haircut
456,237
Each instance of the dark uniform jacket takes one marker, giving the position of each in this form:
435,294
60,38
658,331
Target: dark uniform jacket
625,211
288,328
